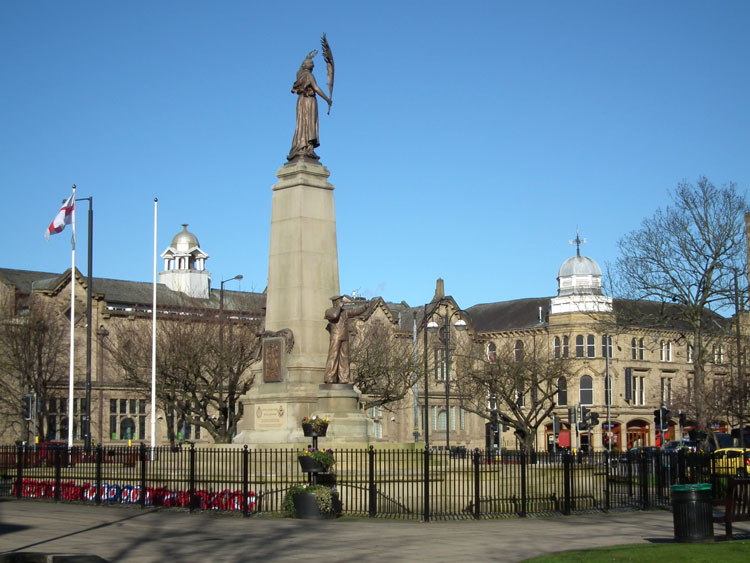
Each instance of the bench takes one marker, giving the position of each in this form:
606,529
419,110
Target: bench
736,505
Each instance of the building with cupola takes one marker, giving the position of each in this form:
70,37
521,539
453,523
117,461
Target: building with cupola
621,373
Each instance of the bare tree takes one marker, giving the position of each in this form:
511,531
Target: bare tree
202,367
34,358
382,363
685,258
519,382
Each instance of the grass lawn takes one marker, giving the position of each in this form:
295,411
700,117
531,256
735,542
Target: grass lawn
725,551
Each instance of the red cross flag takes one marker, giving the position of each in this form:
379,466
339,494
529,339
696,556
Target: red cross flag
63,217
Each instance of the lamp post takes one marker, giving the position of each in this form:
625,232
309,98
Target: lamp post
444,336
221,346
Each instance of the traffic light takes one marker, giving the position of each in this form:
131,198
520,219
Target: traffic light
661,415
556,425
594,419
583,424
27,406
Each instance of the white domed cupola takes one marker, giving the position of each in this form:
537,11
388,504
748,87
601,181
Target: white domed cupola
185,266
579,286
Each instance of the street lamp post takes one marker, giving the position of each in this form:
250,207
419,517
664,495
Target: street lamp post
221,346
444,336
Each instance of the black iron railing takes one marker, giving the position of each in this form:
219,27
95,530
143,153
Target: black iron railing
397,483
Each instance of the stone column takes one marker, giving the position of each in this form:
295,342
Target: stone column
302,277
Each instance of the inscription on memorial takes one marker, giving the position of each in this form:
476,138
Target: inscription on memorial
270,417
272,359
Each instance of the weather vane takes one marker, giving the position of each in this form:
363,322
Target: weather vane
578,242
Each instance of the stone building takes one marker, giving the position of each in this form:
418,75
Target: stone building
647,368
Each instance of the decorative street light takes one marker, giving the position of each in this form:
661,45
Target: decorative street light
221,344
444,336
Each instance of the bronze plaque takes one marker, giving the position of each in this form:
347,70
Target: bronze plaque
273,348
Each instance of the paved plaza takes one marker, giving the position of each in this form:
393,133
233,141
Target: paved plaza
122,533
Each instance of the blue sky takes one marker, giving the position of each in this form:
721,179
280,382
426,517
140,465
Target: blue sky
467,140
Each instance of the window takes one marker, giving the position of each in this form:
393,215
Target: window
491,352
127,419
639,390
453,418
666,390
441,420
586,390
606,346
462,418
520,398
641,349
665,351
518,352
562,392
439,364
565,347
690,353
55,411
579,346
556,347
590,346
634,348
718,354
378,429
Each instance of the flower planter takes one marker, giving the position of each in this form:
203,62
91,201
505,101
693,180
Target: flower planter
309,465
310,431
306,507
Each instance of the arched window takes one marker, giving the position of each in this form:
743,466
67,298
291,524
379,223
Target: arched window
606,346
634,349
565,347
127,429
579,346
586,390
562,392
491,352
556,347
518,351
590,346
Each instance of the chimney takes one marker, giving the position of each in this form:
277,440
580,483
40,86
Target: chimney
439,289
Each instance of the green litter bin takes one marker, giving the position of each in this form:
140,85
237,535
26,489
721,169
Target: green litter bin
692,512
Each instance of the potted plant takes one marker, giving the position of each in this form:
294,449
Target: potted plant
312,502
314,426
316,461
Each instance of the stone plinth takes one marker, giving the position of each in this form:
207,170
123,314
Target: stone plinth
303,275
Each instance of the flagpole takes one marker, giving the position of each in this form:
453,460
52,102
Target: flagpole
153,342
71,386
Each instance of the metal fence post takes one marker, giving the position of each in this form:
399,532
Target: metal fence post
373,509
99,459
142,499
19,470
522,514
607,481
58,470
477,488
245,477
567,478
426,478
193,495
644,480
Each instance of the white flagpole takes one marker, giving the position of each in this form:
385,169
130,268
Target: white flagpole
153,343
71,387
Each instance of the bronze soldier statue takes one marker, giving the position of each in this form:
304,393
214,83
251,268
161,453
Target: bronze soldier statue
337,364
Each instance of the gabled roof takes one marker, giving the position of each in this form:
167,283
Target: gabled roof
124,294
23,279
509,315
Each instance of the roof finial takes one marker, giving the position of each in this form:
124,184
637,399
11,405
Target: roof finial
578,241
